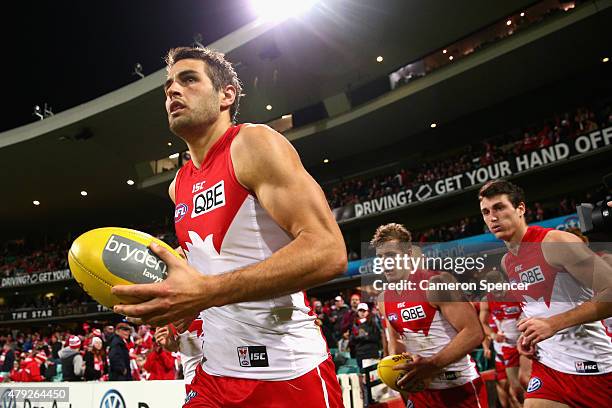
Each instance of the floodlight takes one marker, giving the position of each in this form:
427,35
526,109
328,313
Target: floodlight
281,9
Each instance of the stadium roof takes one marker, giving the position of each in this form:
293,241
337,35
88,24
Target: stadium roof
297,63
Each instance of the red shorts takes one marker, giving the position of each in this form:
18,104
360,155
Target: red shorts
470,395
318,388
500,371
510,356
581,391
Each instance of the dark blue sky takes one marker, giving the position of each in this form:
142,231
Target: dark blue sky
68,52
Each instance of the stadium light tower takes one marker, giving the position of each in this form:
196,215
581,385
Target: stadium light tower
278,10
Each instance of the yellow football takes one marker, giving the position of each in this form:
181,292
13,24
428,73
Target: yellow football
104,257
390,376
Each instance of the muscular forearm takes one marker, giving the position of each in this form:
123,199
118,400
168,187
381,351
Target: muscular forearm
305,262
465,341
587,312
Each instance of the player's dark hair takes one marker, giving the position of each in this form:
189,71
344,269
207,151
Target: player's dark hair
219,70
515,194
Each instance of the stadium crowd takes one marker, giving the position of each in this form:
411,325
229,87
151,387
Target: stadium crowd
563,127
105,353
465,227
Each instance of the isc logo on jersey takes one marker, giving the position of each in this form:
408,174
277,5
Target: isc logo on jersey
532,275
413,313
209,199
587,367
253,356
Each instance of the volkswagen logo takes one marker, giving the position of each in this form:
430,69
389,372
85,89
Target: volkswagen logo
112,399
8,399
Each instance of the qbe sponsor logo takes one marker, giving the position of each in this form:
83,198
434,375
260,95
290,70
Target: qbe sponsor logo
413,313
253,356
534,384
532,275
209,199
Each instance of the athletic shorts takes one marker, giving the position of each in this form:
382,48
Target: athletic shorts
500,371
469,395
511,356
318,388
580,391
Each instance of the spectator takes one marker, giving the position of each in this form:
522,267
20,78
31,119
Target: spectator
95,360
118,355
72,361
349,318
324,322
107,335
55,346
144,331
160,364
48,369
7,358
343,343
337,314
31,368
365,336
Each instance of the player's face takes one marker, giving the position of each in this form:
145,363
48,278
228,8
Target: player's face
391,249
501,217
192,103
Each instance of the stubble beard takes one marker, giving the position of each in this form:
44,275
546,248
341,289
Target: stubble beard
193,123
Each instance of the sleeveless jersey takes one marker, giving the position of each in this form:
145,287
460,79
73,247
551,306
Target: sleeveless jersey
190,348
506,316
583,349
425,332
222,227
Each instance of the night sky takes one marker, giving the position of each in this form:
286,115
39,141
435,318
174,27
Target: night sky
66,53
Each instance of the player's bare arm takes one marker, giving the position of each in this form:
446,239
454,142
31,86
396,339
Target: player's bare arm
265,163
483,316
565,250
460,314
395,345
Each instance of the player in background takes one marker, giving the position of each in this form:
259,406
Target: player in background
505,314
562,331
188,344
440,330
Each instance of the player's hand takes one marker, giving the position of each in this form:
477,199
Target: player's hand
165,338
500,337
526,349
486,347
181,296
182,325
486,351
536,329
420,368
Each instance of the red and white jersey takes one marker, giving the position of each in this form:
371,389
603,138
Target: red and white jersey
583,349
222,227
426,332
506,316
190,347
